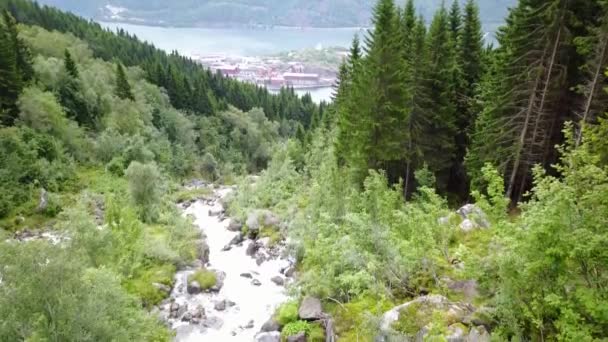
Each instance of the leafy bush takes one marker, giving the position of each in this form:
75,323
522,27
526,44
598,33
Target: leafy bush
287,313
116,166
145,185
205,278
296,327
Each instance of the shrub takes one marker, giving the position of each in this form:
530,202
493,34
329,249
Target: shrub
287,313
205,278
116,166
209,167
296,327
145,188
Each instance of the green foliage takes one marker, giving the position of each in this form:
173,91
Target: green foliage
123,88
145,185
141,284
287,313
314,332
205,278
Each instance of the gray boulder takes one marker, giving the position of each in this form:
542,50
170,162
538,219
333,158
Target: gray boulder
220,306
252,248
237,239
259,259
475,215
456,333
194,287
219,283
162,287
299,337
246,275
478,334
234,226
44,200
278,280
202,251
256,282
310,309
270,325
262,218
273,336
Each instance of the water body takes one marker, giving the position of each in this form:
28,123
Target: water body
252,304
238,41
243,42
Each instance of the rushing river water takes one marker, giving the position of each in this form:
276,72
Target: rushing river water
250,306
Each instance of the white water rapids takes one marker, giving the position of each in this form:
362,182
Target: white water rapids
252,303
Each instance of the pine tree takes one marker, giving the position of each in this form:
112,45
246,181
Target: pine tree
441,131
455,20
22,53
385,118
70,65
10,80
123,88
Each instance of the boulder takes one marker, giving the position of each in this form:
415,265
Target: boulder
226,248
220,306
194,287
278,280
256,282
249,324
474,214
237,239
44,200
215,212
456,333
261,218
252,248
290,271
310,309
466,287
219,283
234,226
246,275
187,317
273,336
202,251
455,312
259,259
270,325
467,226
299,337
478,334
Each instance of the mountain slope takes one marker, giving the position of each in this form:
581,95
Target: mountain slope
210,13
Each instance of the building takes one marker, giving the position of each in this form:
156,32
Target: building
228,70
300,79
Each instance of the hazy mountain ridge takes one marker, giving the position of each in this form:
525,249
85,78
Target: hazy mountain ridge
223,13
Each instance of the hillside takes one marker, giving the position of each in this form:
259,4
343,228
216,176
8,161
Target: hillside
221,13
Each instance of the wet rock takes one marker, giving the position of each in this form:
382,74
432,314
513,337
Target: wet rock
194,287
234,226
467,226
220,306
202,251
256,282
278,280
213,323
187,317
273,336
249,325
226,248
173,310
252,248
162,287
259,259
290,271
270,325
219,283
215,212
237,239
310,309
299,337
246,275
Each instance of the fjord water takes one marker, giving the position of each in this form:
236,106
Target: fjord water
238,41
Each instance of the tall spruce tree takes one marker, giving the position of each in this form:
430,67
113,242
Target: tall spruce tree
70,95
10,79
23,56
440,132
123,88
386,118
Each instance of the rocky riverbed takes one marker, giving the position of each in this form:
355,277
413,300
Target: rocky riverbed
250,280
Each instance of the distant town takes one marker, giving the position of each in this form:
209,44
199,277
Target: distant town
307,69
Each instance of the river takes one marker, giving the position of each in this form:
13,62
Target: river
249,301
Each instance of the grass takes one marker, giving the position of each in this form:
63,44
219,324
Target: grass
352,318
314,331
272,233
206,279
141,284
